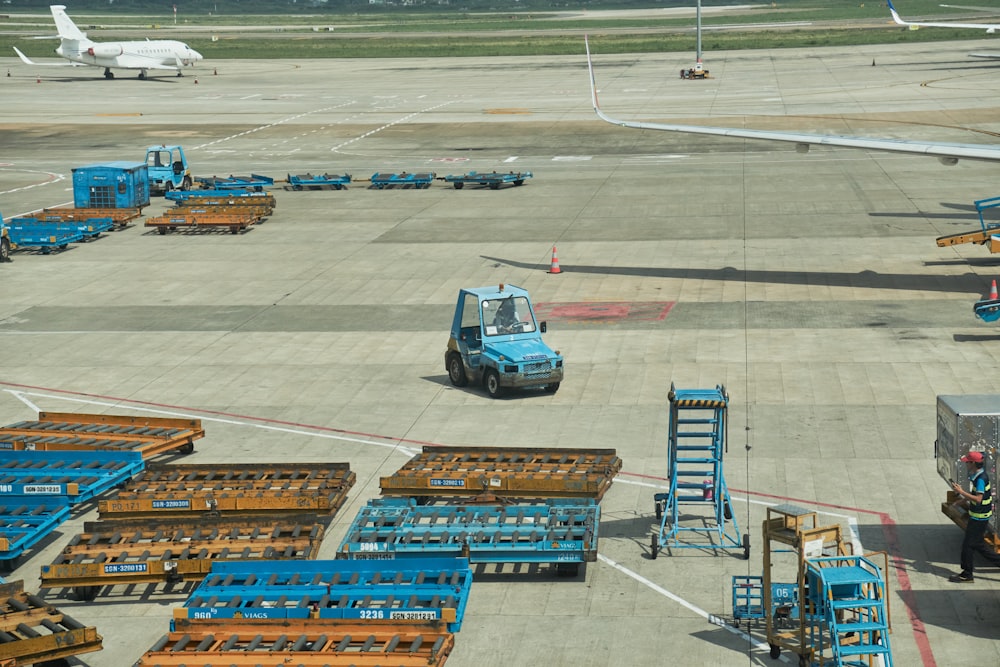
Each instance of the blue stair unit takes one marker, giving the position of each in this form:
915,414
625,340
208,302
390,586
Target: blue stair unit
849,596
696,444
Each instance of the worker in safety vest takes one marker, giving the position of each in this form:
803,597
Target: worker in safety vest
979,501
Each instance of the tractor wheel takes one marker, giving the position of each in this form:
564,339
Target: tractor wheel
456,370
552,388
654,546
4,250
492,383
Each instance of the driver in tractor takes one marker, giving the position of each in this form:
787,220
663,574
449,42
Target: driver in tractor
506,319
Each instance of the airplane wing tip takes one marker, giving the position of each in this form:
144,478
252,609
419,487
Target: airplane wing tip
23,57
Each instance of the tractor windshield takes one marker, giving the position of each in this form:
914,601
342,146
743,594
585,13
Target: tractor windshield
507,316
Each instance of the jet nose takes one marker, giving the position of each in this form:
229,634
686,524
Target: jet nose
196,56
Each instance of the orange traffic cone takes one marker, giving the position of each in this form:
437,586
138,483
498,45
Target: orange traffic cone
993,291
554,268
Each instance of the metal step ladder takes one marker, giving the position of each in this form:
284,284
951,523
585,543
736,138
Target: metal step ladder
696,444
850,598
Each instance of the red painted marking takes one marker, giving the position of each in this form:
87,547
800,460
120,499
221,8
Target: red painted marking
888,524
604,311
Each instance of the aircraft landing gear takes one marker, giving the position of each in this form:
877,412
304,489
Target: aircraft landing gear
142,75
108,74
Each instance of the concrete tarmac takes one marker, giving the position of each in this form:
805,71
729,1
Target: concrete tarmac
810,286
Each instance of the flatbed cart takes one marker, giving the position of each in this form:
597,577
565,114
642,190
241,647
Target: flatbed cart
254,182
696,443
505,472
411,589
37,633
27,520
121,217
45,235
237,197
79,475
192,490
318,181
59,431
556,531
304,643
402,181
171,222
493,180
89,228
110,553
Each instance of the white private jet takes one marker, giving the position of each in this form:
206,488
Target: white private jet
159,54
990,28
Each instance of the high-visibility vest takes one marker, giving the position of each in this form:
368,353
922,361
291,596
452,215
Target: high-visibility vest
982,511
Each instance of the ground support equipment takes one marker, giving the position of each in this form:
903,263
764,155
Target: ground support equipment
223,198
696,443
109,553
183,490
402,180
42,234
790,529
493,180
57,431
120,217
556,531
505,472
267,643
848,594
171,221
954,508
89,228
27,520
318,182
78,476
254,182
748,599
33,632
411,589
191,207
988,234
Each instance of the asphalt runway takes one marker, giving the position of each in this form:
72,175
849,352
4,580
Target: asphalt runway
810,286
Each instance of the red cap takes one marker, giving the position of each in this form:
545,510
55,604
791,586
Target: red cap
973,457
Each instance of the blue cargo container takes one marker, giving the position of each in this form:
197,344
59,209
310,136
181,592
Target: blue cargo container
111,185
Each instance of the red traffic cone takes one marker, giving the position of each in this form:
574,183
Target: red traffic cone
554,268
993,291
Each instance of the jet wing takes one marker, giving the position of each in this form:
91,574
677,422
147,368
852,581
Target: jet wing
988,27
946,153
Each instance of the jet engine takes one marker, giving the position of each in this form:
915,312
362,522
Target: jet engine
105,50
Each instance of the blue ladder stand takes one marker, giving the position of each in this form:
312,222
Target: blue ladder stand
696,443
849,595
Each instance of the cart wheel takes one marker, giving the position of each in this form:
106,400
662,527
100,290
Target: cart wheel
86,593
519,182
727,511
659,510
746,546
458,185
655,546
567,569
803,661
186,448
775,651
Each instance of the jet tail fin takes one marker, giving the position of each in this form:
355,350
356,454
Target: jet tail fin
65,26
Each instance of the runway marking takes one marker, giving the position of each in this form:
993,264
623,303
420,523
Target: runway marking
711,618
269,125
21,391
53,178
405,118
